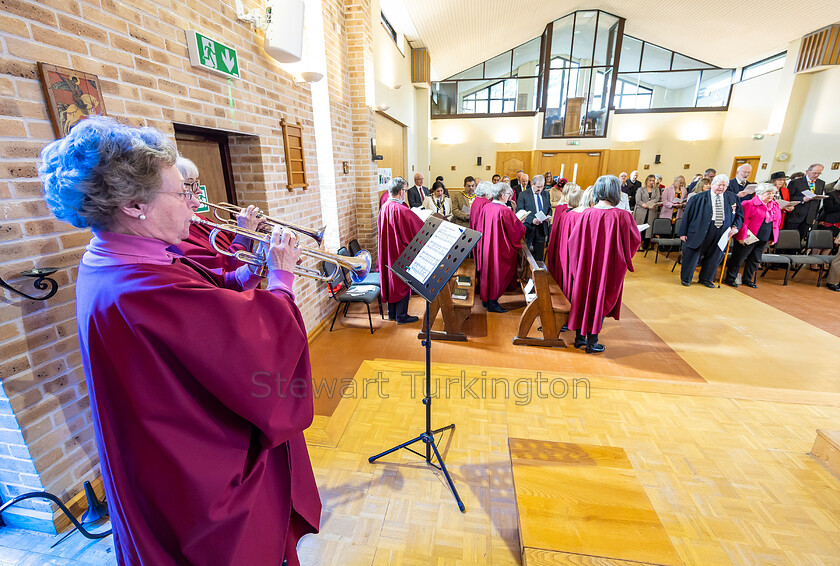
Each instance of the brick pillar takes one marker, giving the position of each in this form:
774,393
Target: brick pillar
360,60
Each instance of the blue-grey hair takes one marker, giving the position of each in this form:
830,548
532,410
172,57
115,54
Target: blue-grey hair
100,167
396,185
496,191
607,188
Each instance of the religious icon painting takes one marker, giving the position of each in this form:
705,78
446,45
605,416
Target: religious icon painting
71,96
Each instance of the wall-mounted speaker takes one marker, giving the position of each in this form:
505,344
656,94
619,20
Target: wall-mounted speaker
658,159
478,160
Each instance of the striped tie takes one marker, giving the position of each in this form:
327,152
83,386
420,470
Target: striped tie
718,212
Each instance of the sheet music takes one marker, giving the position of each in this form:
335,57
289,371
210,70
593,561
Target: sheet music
540,215
434,251
642,227
465,209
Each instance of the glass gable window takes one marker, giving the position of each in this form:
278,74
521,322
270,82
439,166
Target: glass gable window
580,71
503,84
581,68
668,80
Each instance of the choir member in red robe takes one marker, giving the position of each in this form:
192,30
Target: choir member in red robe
500,243
199,393
197,245
603,243
481,199
397,227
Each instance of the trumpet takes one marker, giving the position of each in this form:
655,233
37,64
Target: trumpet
317,235
359,266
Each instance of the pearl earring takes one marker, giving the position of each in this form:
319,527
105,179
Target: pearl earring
142,217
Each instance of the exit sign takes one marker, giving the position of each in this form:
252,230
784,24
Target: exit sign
212,55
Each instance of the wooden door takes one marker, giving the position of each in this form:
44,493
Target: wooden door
210,154
588,162
752,160
390,144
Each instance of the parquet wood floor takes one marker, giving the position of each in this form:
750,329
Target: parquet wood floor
714,395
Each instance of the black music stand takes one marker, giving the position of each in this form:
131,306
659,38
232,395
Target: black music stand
440,256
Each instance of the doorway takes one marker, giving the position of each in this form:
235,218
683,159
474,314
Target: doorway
210,151
390,143
752,160
588,165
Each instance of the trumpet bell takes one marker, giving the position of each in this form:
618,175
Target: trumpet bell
359,274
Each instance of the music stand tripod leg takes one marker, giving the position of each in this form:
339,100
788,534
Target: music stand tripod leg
427,437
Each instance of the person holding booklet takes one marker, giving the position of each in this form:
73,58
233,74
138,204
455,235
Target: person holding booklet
711,218
538,220
762,221
438,202
673,200
462,202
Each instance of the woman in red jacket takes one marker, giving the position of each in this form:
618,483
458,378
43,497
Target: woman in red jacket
762,220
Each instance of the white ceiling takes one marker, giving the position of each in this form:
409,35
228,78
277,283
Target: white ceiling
725,33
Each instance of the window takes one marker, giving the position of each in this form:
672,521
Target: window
764,66
388,27
627,94
497,98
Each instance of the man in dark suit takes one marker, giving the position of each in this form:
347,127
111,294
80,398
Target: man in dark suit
803,215
708,215
418,192
534,200
738,185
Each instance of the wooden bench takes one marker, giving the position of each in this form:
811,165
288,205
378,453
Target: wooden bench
551,305
583,504
454,311
826,450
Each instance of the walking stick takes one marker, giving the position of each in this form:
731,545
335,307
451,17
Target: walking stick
723,268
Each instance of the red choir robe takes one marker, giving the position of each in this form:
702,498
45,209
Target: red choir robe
383,199
397,227
476,207
197,247
199,396
551,251
604,242
501,241
563,257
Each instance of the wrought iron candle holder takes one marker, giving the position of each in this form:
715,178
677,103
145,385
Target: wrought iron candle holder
42,283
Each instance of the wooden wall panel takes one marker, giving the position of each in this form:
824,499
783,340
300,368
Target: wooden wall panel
509,162
618,160
390,144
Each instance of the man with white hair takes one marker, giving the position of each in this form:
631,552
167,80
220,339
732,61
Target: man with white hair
738,185
417,193
707,217
535,201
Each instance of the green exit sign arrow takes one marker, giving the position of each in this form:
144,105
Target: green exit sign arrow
212,55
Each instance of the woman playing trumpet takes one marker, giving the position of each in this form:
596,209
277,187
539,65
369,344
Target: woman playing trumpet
201,448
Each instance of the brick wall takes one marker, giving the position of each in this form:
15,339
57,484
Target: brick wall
138,50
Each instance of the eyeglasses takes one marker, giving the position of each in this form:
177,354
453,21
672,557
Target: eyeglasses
194,186
186,195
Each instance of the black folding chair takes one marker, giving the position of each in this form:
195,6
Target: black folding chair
817,240
670,243
661,229
788,240
345,294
